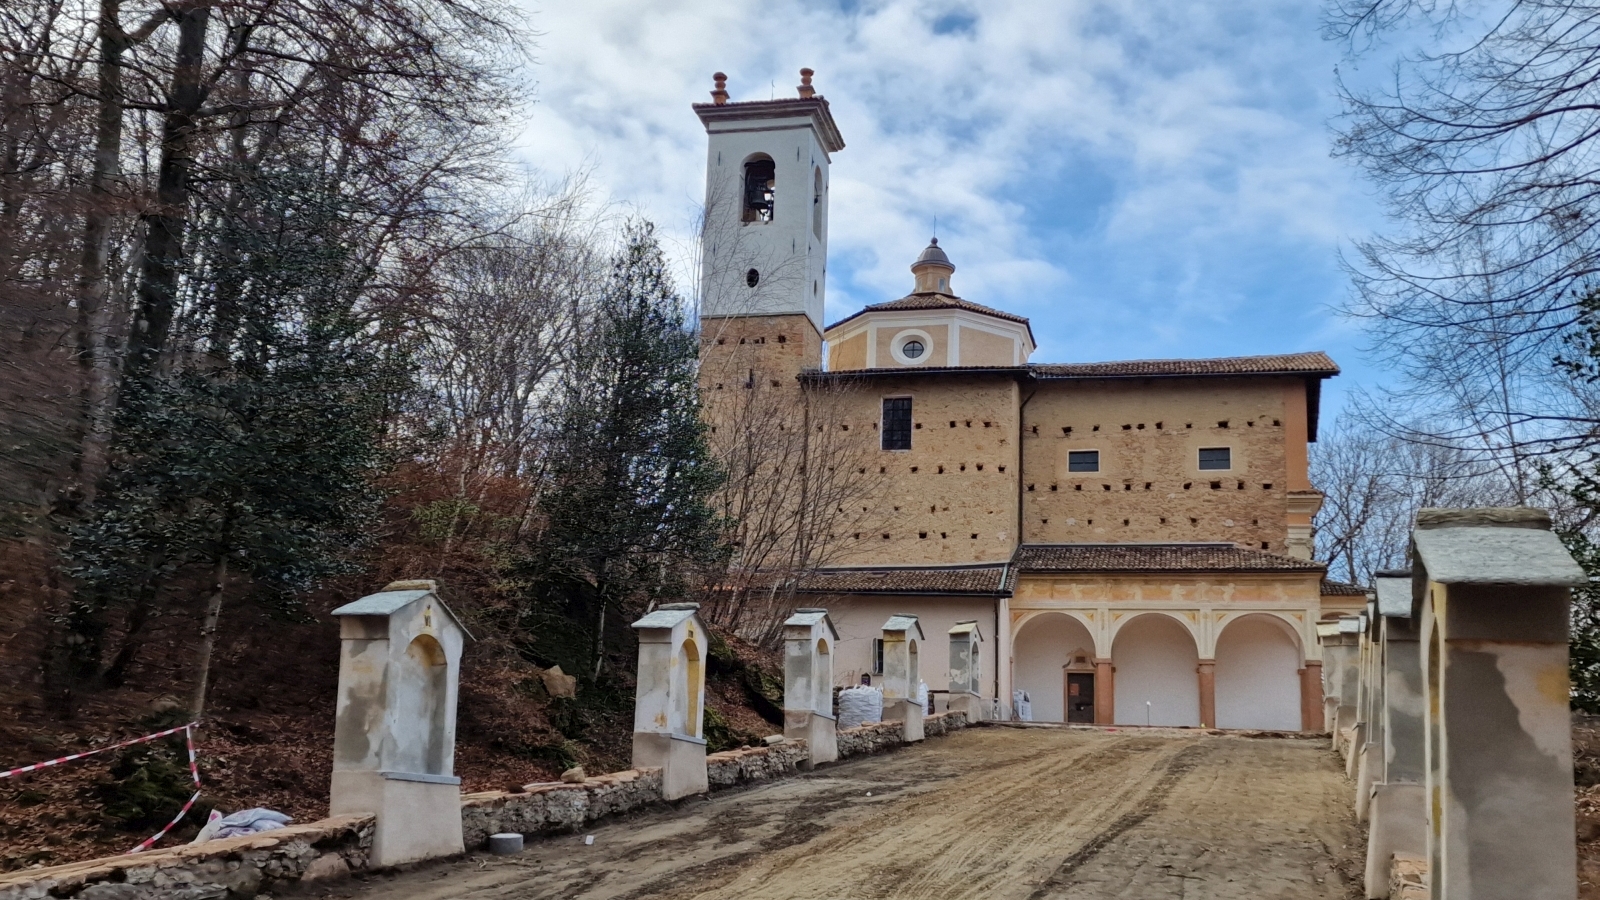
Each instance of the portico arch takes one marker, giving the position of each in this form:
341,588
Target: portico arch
1156,659
1258,673
1044,645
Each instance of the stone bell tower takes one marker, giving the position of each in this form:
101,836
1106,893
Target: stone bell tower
765,240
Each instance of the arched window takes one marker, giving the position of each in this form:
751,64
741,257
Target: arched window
816,203
760,182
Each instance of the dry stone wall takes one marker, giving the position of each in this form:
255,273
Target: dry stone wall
234,867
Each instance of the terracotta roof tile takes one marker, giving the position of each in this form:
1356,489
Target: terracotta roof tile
1314,363
981,580
1155,558
1331,588
932,301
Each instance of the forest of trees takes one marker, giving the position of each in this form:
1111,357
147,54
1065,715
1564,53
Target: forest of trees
276,297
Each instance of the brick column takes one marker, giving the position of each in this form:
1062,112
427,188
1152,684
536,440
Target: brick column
1208,692
1105,698
1311,711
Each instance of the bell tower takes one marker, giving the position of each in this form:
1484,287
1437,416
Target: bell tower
764,247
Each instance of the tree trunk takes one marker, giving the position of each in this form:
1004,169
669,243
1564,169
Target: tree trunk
166,224
208,636
600,639
95,317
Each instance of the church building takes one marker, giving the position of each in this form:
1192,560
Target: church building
1131,540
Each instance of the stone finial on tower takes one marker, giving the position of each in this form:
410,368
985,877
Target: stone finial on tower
806,90
719,91
933,270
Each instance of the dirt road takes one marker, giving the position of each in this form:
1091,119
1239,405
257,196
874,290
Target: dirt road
985,813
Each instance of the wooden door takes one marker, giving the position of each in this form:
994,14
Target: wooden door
1080,697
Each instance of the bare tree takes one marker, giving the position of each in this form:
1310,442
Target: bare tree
1483,145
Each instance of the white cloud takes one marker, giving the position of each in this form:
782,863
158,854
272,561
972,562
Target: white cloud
1127,162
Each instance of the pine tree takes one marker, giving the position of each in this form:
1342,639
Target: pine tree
628,518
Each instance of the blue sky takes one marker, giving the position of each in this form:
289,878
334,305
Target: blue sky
1140,179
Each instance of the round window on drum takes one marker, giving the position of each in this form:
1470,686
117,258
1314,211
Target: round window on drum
913,349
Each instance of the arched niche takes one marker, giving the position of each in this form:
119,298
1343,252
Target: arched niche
1258,673
694,683
1156,660
1043,647
822,681
760,188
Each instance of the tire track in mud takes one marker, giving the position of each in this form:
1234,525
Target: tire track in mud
993,813
990,832
1177,767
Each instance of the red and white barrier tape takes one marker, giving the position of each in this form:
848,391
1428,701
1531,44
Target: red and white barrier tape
194,772
138,740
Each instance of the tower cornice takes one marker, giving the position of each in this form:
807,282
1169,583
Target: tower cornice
814,108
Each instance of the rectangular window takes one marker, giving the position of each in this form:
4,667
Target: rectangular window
1083,460
877,656
1219,458
897,423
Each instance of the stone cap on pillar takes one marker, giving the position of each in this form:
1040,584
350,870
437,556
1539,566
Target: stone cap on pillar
1350,624
904,622
1456,549
1394,593
1501,545
1327,630
397,595
967,628
809,618
668,616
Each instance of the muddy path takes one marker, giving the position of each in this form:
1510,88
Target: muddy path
990,813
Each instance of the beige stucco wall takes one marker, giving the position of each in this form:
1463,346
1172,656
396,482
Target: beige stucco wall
850,353
982,348
929,515
1150,486
938,354
860,617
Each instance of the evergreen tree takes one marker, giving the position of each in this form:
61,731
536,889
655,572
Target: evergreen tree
627,514
253,454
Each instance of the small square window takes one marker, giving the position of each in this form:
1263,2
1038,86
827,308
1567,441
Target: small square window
896,423
1083,460
1217,458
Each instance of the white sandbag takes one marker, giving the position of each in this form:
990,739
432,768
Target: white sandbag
860,706
1021,706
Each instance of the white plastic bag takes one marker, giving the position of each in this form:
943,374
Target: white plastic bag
860,706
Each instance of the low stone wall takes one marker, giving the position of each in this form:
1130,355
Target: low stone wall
235,867
943,723
735,767
545,808
244,866
874,738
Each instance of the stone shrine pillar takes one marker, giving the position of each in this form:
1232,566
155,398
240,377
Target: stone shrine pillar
901,673
966,671
808,641
1493,590
1328,687
1355,685
670,699
1368,755
1344,674
1397,810
394,733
